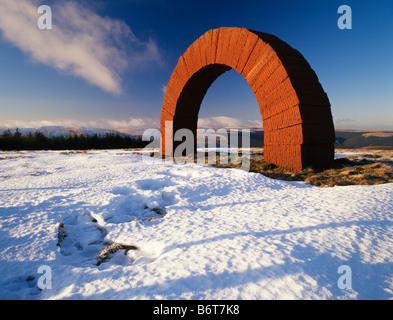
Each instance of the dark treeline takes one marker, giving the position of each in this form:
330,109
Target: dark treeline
38,141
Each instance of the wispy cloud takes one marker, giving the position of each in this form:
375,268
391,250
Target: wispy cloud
134,123
81,43
346,120
131,123
227,122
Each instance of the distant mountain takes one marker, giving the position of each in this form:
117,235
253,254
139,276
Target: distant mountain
344,138
349,139
364,139
56,131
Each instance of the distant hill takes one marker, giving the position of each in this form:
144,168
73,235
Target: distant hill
347,139
350,139
57,131
364,139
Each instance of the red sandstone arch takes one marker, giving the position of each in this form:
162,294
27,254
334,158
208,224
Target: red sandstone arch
295,109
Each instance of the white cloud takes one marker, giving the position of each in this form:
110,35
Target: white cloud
227,122
135,123
130,123
82,43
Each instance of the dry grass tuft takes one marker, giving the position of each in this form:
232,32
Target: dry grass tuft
111,249
370,168
61,233
74,152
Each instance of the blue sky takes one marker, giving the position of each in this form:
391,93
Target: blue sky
106,63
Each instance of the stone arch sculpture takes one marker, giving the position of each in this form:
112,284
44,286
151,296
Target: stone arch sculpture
295,110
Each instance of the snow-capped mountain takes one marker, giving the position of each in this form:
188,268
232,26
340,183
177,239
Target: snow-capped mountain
55,131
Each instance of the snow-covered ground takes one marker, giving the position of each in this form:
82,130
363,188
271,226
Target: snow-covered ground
200,232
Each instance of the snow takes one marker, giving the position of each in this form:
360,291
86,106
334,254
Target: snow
350,153
200,232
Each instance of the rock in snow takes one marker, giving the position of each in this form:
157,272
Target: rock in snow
185,231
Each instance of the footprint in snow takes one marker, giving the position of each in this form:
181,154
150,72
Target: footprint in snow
153,184
148,204
80,238
81,241
134,207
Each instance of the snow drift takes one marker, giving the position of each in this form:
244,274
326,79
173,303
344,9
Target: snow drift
192,231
